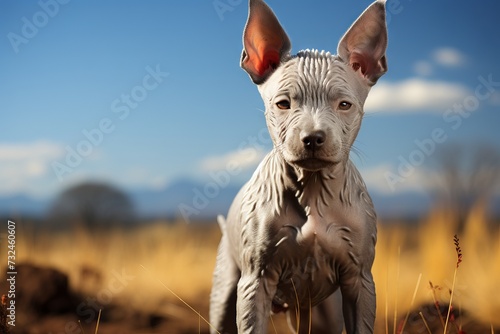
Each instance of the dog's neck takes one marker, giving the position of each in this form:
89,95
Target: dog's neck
318,190
315,191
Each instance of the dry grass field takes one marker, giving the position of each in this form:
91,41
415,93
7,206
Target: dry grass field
166,269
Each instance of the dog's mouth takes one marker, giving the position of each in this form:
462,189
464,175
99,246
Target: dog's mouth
314,164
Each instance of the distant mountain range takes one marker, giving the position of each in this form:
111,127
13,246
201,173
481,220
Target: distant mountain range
185,199
190,200
23,205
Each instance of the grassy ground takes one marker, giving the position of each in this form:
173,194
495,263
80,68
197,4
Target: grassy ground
167,263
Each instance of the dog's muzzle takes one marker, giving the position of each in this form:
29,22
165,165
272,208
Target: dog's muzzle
312,155
313,141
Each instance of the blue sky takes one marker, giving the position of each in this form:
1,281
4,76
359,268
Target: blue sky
71,67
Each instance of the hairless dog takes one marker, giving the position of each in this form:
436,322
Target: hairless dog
300,235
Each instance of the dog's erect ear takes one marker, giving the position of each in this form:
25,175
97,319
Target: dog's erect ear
265,43
364,44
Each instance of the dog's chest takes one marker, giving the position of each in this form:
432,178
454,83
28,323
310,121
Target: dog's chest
301,232
306,258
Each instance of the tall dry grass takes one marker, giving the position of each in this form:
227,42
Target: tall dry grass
403,253
157,254
167,259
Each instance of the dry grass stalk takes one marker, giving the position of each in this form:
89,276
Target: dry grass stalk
98,321
183,301
396,294
387,302
310,316
456,241
81,327
425,322
434,288
297,308
411,304
272,323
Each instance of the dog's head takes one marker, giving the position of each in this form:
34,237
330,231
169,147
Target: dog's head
314,100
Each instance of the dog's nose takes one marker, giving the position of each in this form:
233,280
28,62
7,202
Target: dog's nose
313,140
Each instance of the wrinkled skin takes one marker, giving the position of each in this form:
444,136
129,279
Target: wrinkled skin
300,235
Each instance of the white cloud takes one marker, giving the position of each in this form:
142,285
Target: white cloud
448,57
140,176
386,179
24,167
36,150
243,159
423,68
414,94
375,178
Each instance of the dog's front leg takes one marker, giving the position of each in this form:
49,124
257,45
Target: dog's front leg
254,303
223,296
358,303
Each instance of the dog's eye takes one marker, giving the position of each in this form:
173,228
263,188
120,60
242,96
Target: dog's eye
283,104
344,105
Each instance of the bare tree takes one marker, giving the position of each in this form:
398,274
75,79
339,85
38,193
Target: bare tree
466,174
92,205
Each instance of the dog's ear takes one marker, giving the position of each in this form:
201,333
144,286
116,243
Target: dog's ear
363,45
265,43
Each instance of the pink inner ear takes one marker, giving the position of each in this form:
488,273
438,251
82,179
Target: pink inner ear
268,59
261,59
360,61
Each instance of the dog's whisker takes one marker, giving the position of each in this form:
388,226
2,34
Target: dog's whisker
358,153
